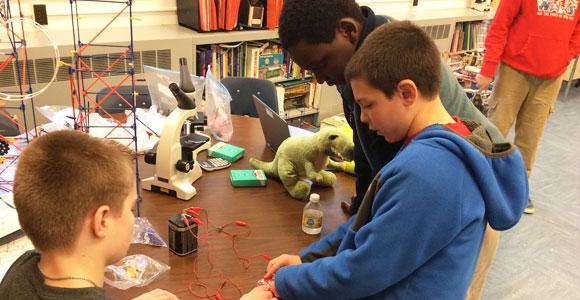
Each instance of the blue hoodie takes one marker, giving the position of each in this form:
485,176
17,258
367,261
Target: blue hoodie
420,226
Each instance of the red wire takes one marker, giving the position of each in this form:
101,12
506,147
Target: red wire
223,280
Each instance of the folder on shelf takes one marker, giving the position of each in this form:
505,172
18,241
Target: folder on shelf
213,15
233,8
273,9
221,14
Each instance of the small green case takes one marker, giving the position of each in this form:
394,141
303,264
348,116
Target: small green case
248,178
226,151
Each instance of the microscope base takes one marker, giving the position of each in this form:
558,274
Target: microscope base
181,189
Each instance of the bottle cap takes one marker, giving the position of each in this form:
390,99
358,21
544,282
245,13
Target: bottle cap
314,197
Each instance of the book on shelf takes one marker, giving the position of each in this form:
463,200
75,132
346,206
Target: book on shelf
468,36
297,96
272,66
265,60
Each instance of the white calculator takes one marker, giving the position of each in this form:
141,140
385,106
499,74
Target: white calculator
213,164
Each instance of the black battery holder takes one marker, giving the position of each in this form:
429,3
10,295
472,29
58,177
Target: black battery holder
181,241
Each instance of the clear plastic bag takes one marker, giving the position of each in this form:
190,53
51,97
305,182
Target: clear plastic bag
61,119
218,112
144,233
134,270
158,81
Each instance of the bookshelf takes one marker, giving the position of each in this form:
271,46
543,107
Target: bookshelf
163,45
327,101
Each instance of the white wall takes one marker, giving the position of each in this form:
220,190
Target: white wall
160,12
384,7
98,14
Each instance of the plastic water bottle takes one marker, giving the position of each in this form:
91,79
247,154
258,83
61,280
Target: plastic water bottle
312,215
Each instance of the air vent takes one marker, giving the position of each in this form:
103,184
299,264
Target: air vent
8,78
119,66
438,32
164,59
138,65
63,70
41,70
29,68
149,58
44,69
100,63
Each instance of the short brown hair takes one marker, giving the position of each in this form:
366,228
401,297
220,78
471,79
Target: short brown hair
63,176
394,52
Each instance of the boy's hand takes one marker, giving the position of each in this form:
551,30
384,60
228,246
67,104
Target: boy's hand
157,294
281,261
258,293
483,81
273,290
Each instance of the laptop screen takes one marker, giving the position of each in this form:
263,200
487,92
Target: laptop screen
275,128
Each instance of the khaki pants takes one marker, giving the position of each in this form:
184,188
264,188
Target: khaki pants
527,100
488,247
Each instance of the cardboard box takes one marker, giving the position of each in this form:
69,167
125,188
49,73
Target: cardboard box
226,151
334,121
248,178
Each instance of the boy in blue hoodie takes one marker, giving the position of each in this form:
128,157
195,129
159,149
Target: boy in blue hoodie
418,232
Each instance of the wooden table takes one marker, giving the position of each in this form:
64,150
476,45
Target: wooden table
274,218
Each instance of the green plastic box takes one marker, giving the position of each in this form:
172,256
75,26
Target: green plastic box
226,151
248,178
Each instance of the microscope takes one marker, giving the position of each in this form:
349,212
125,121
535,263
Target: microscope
175,159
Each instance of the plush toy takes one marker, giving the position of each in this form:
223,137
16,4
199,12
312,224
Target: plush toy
307,156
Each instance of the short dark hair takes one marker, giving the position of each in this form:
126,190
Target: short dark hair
61,177
314,21
394,52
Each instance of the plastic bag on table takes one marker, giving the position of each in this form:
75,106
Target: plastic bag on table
218,112
134,270
158,81
144,233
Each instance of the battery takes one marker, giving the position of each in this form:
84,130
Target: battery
181,241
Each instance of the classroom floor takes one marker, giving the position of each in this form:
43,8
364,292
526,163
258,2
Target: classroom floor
540,257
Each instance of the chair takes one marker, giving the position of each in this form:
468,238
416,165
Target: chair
7,126
243,88
114,104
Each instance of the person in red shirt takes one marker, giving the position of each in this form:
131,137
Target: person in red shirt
528,47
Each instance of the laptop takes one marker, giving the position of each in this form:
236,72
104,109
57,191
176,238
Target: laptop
275,129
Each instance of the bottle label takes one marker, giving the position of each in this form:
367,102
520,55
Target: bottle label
311,222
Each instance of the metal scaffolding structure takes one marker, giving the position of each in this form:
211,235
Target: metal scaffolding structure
17,114
89,72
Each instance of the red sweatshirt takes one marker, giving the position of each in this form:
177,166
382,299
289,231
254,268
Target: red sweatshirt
539,37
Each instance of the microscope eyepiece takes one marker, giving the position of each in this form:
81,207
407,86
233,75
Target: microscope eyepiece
183,100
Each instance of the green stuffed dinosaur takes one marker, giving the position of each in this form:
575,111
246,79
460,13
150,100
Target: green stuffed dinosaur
307,156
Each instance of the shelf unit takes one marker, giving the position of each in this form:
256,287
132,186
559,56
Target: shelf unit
330,102
163,45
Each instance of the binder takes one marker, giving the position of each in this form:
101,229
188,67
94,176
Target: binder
222,14
208,15
273,9
233,8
